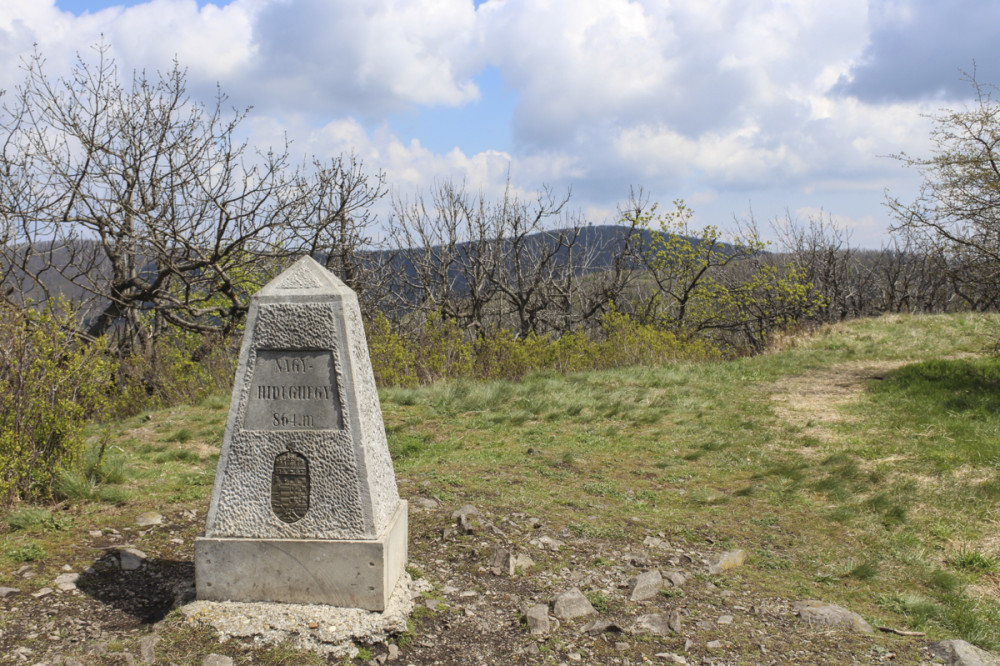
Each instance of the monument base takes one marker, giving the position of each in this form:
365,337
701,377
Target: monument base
350,574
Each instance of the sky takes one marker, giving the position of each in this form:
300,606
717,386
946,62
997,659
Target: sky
739,107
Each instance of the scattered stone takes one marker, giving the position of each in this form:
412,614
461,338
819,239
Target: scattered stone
95,533
148,519
8,591
131,559
466,518
44,592
502,561
217,660
715,645
432,603
645,586
829,615
639,558
654,542
548,543
67,567
538,619
393,654
671,658
534,523
574,656
67,581
128,659
675,578
425,503
724,620
674,621
522,561
961,653
600,626
726,561
147,644
652,623
532,649
572,604
622,646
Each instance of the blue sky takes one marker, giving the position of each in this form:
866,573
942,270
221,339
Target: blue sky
775,106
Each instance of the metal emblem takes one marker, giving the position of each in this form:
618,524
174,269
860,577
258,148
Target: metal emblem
290,487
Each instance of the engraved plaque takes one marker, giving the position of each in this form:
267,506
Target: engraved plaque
293,390
290,487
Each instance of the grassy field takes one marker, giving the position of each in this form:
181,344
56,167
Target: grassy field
859,464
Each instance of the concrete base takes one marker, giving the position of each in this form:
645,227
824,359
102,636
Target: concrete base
349,574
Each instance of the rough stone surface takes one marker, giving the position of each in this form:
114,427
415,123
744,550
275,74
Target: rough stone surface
356,574
652,623
502,561
674,621
314,318
148,519
537,618
216,660
8,591
961,653
645,586
67,581
572,604
726,561
131,559
304,456
147,648
830,615
319,628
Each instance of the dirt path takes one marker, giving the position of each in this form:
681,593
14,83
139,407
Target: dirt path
813,401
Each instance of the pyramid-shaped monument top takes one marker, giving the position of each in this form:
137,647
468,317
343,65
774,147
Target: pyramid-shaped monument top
305,276
304,475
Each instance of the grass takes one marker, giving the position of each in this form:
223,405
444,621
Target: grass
881,497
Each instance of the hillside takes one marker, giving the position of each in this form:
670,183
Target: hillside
858,465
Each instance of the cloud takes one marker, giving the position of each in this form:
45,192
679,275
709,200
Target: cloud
918,47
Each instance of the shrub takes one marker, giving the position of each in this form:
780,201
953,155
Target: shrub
50,385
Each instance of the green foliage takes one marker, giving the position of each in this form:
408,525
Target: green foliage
28,552
50,385
598,600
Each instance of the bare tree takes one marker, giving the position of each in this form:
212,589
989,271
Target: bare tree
139,198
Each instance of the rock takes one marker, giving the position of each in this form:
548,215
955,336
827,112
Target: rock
548,543
8,591
671,658
538,619
131,558
95,533
216,660
829,615
424,503
600,626
639,558
724,620
653,623
574,656
67,581
726,561
715,645
654,542
674,621
622,646
645,586
522,561
501,561
44,592
572,604
393,652
675,578
148,519
466,518
960,653
146,648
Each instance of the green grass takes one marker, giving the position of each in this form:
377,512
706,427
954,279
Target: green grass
883,501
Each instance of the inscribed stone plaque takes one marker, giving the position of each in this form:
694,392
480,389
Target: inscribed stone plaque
293,390
290,487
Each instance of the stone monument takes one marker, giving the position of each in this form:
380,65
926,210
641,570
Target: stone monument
305,507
